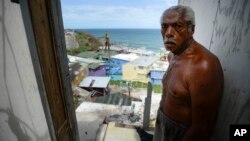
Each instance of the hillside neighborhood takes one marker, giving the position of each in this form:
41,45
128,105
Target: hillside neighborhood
113,83
120,64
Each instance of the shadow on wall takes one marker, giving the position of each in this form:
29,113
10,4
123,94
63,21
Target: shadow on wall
19,128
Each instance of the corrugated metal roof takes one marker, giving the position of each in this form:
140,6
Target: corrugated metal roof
93,66
83,60
126,57
97,82
144,61
87,54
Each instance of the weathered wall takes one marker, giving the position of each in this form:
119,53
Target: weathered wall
223,27
22,116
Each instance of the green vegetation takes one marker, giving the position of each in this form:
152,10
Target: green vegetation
157,88
78,50
117,82
86,42
136,84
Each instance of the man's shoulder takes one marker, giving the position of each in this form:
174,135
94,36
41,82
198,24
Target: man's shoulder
203,54
204,59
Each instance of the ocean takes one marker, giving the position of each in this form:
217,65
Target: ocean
149,39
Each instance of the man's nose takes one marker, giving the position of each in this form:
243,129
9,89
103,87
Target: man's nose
169,32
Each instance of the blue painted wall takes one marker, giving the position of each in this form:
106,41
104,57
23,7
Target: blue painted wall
116,66
156,76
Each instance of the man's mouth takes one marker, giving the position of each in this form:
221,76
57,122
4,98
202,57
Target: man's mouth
170,43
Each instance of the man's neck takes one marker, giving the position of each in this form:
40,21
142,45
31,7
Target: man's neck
187,45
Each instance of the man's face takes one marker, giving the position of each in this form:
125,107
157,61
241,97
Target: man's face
175,32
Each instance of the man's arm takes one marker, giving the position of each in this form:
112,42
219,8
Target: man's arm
205,87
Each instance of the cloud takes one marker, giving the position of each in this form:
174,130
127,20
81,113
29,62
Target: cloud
171,2
114,16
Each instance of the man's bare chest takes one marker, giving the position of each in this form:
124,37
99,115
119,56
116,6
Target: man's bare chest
175,81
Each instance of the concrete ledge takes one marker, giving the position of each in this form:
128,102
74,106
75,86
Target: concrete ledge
115,133
101,132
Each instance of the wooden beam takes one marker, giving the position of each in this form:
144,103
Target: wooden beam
46,20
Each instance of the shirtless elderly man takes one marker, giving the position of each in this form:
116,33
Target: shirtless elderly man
192,85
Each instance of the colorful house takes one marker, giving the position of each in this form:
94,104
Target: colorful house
97,69
97,85
117,61
157,72
138,69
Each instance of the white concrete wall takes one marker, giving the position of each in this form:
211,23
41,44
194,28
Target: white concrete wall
226,32
22,116
204,19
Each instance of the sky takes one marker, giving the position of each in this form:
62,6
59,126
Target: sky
89,14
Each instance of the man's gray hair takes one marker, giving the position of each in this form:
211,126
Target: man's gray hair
186,11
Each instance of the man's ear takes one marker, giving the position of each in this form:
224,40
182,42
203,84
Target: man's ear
192,28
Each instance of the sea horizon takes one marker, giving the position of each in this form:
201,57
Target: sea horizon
145,38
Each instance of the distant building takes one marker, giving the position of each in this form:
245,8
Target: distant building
115,76
88,54
138,69
118,60
105,56
97,69
96,85
157,72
